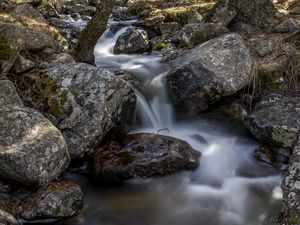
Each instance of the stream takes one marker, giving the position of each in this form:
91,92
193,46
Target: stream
230,187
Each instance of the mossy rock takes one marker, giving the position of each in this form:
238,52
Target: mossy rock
159,46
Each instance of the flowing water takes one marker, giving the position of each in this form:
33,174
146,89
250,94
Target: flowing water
229,188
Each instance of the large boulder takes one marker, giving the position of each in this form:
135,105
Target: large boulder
132,41
276,123
32,150
290,212
89,103
197,33
53,201
203,75
144,155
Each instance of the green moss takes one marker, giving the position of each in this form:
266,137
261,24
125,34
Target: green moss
5,51
54,108
63,96
158,46
181,44
293,220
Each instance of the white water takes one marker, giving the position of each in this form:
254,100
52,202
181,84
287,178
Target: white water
228,188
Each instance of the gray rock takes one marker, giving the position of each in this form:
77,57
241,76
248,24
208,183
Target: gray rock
276,123
55,200
62,58
194,17
220,13
83,10
9,94
169,29
47,11
23,65
197,33
121,13
287,26
90,102
7,219
144,155
265,47
203,75
132,41
290,212
151,22
27,12
32,150
33,2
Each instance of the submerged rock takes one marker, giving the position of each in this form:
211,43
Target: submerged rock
32,150
276,123
290,212
203,75
144,155
89,103
132,41
53,201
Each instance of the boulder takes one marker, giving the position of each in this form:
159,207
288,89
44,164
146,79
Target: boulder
169,29
290,212
276,123
32,2
198,33
32,150
23,65
9,94
203,75
144,155
7,219
54,201
89,103
132,41
83,10
47,11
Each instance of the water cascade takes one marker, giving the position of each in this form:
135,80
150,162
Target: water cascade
229,188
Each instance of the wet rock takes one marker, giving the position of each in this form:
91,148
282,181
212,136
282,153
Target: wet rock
144,155
89,103
32,150
220,13
203,75
23,65
7,219
288,26
276,123
290,212
9,94
265,154
197,33
132,41
121,13
55,200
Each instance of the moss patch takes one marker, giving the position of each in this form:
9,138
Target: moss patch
5,51
158,46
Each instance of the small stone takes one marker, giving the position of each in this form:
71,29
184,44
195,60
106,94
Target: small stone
9,94
23,65
265,47
288,26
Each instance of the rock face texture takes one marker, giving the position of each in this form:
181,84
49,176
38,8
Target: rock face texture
7,219
55,200
290,213
32,150
203,75
276,123
132,41
144,155
89,103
